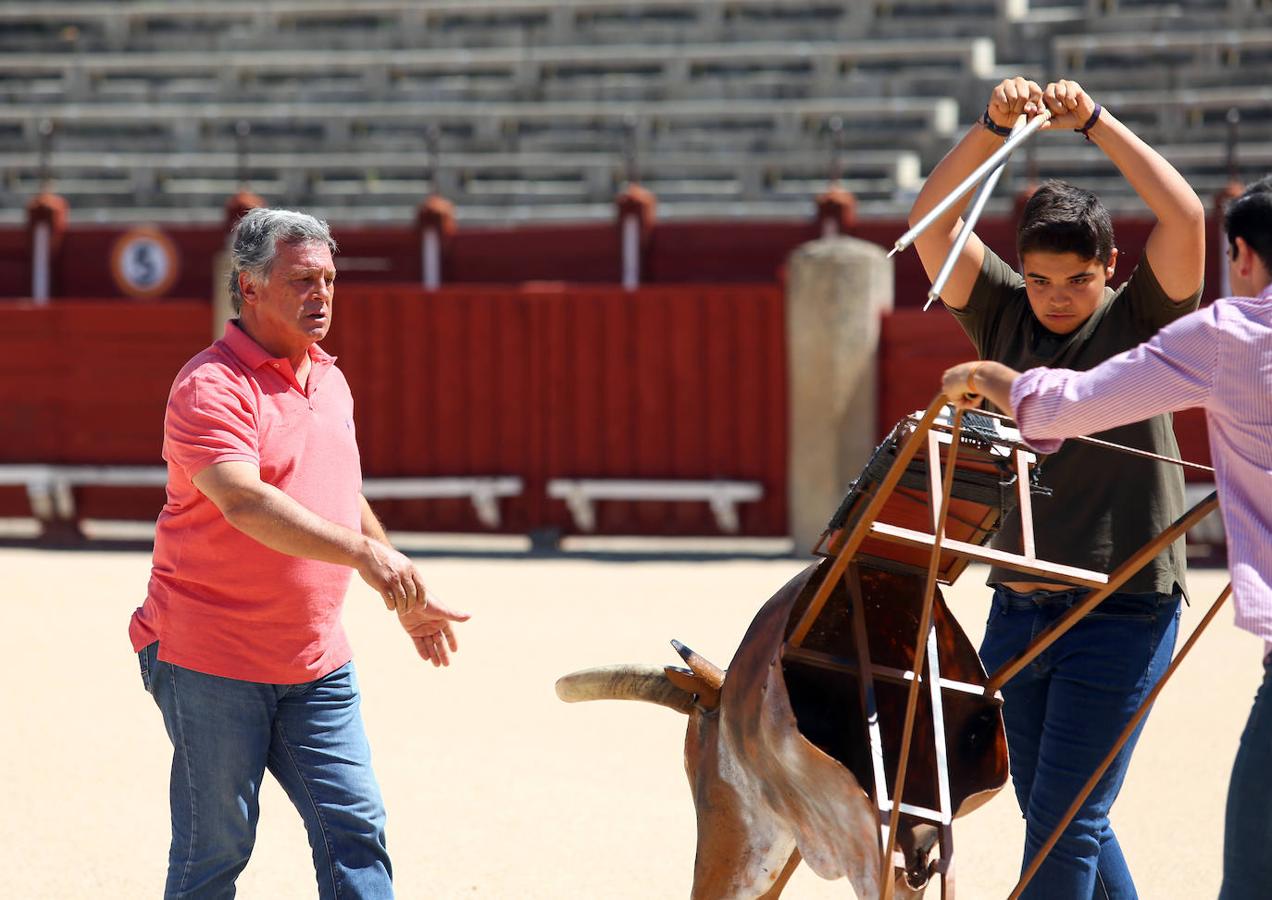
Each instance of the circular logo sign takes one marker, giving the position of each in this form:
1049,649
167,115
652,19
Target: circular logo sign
144,262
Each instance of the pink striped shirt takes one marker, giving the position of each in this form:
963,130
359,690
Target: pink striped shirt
1218,358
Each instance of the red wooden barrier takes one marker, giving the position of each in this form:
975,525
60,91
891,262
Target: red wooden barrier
539,382
552,382
86,382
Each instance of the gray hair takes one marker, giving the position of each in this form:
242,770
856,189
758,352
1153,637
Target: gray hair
254,242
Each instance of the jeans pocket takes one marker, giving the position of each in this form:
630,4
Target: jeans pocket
143,659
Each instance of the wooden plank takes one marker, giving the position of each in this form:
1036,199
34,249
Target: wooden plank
859,531
883,673
1069,574
1119,577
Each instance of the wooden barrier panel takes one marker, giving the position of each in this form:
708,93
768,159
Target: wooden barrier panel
550,382
681,382
441,386
87,382
915,348
536,382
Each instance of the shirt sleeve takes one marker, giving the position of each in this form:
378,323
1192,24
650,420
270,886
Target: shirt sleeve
1150,306
995,287
208,422
1172,371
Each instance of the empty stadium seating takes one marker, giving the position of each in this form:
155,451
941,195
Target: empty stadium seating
542,108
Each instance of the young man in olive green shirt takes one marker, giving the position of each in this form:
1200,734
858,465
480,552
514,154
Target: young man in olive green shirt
1065,710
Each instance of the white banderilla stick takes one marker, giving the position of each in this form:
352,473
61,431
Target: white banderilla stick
969,223
1018,136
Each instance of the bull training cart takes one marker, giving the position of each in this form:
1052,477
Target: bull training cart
874,634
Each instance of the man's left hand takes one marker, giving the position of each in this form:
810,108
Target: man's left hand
430,626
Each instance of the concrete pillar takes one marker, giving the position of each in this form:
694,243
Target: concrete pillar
836,290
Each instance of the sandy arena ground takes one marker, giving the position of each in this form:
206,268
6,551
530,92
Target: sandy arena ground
495,788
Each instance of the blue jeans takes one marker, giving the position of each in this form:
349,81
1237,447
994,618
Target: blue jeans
225,733
1247,832
1062,714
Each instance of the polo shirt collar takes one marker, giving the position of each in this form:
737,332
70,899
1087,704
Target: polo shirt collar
252,353
240,343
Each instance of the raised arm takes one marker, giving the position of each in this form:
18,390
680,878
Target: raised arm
1010,99
1176,248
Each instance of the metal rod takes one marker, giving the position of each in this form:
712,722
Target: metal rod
866,689
921,644
973,215
1116,748
969,224
971,180
1096,442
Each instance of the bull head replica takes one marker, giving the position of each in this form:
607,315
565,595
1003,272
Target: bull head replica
777,752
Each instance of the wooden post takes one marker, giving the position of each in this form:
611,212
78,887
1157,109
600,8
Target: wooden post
436,220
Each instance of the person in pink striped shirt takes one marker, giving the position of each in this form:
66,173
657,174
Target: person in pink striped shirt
1220,359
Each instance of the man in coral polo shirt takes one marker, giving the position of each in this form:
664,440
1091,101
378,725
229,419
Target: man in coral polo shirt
239,638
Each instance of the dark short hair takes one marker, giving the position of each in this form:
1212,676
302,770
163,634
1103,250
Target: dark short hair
1250,217
1061,218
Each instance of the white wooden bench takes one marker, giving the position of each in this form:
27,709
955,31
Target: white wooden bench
581,496
484,491
50,488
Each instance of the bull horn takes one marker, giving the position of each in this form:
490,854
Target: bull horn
624,682
708,671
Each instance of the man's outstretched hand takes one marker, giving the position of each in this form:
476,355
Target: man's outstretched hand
430,626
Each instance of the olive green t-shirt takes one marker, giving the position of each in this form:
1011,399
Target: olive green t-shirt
1105,505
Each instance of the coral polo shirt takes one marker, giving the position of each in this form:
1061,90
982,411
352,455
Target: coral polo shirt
220,602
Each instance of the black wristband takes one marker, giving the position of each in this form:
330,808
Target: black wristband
993,126
1090,123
